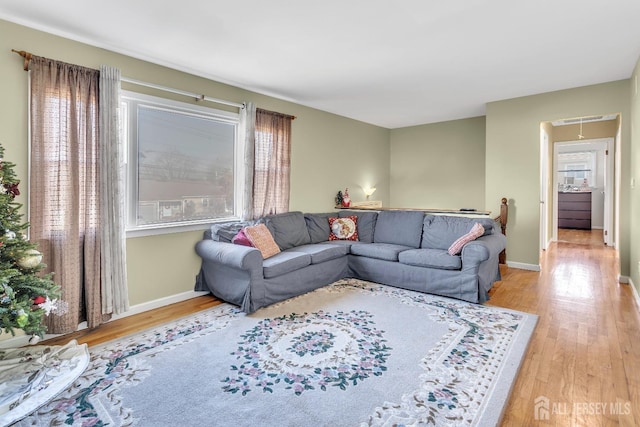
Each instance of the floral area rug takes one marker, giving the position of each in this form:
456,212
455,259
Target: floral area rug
349,354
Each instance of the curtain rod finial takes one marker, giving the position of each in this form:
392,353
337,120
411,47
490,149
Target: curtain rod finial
25,55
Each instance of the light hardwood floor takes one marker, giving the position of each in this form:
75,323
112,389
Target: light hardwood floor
584,356
138,322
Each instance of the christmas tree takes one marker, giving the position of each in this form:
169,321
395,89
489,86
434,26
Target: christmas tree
25,296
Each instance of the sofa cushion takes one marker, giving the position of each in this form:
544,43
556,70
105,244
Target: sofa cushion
431,258
288,229
284,262
348,244
440,231
343,228
399,227
385,251
321,253
318,226
366,223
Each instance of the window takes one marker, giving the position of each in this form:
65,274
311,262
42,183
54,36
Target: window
577,168
184,166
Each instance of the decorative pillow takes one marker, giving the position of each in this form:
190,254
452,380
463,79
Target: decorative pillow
440,231
261,238
241,239
476,231
343,228
366,224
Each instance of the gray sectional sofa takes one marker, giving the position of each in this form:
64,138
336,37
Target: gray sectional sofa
405,249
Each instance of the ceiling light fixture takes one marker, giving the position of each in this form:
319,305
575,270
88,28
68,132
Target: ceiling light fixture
580,135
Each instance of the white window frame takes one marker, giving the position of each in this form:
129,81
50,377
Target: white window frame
582,167
130,103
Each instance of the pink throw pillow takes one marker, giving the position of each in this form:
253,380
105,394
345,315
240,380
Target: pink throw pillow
261,239
476,231
241,239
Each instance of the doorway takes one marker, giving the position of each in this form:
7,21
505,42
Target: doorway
578,185
581,199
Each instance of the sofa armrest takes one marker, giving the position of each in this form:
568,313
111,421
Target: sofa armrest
481,249
236,256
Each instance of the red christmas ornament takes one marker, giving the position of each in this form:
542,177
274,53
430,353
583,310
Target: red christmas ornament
13,189
39,300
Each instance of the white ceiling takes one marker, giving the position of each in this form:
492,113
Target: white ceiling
390,63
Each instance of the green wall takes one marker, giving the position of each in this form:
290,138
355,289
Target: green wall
328,152
513,153
634,192
331,153
439,165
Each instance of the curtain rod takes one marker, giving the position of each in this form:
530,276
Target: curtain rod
26,55
27,58
275,113
198,97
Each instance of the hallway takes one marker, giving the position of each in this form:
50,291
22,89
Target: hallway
582,237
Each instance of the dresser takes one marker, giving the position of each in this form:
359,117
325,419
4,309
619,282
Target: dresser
574,210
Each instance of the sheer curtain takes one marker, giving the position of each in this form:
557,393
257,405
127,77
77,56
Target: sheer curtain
272,164
247,134
64,191
115,295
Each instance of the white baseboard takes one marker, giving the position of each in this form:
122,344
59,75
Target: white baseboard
161,302
523,266
22,340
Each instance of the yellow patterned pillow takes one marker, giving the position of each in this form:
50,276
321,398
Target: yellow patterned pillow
261,238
